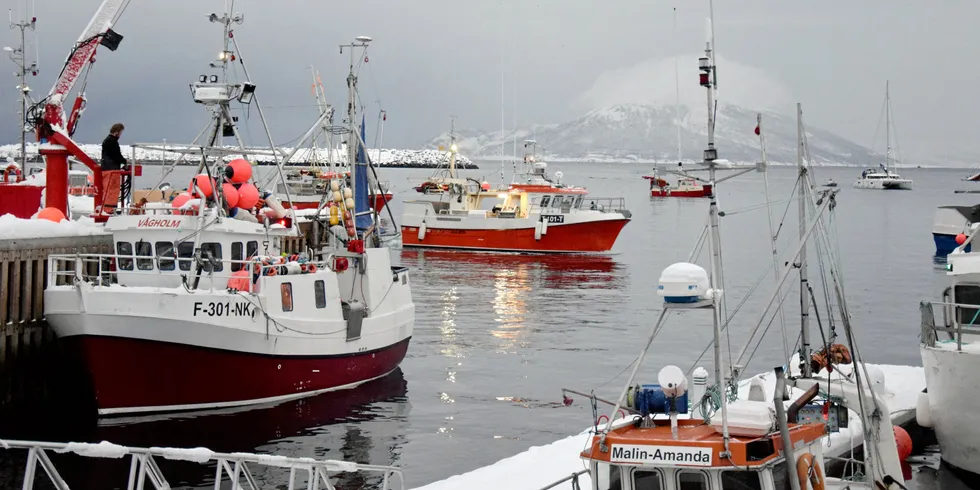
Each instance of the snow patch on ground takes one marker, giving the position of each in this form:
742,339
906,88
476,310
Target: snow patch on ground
12,227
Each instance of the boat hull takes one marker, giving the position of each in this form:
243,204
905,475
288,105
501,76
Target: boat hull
950,383
131,375
584,237
884,184
945,244
658,192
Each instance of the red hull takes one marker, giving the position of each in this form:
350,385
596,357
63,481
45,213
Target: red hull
379,203
595,236
131,375
693,193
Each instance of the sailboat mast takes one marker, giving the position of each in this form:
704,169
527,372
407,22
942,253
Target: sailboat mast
888,129
677,90
452,147
804,284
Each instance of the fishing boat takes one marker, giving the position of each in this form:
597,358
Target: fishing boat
685,186
441,179
883,177
952,223
215,300
950,353
830,183
661,436
540,214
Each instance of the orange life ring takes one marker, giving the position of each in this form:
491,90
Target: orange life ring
807,470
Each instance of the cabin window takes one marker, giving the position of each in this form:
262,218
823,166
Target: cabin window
578,201
124,248
967,294
144,249
251,249
320,293
692,480
286,289
780,477
615,480
185,250
556,202
214,249
647,480
569,202
165,256
740,480
545,200
236,256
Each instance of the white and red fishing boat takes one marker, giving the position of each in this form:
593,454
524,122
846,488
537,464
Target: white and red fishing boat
539,215
200,307
685,187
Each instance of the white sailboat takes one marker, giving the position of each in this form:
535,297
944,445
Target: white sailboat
883,177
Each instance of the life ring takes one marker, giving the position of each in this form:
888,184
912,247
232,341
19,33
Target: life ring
13,169
804,466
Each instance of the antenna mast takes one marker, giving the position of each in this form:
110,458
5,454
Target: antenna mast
19,56
888,129
677,89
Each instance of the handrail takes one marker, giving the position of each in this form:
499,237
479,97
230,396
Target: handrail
952,327
573,478
233,466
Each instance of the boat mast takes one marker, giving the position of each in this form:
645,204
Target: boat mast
677,89
888,129
452,147
708,80
19,57
804,284
353,138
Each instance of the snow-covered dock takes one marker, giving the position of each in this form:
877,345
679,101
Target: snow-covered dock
542,465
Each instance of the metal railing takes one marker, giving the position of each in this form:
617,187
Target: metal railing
954,329
573,478
103,269
232,467
605,204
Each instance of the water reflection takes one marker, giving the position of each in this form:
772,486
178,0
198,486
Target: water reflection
365,425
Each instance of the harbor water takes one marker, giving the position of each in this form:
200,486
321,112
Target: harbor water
498,335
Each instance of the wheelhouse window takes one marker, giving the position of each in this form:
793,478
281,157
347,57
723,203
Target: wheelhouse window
251,249
967,294
692,480
320,293
236,256
647,480
211,253
125,248
165,256
578,201
545,200
556,202
185,251
144,249
740,480
286,290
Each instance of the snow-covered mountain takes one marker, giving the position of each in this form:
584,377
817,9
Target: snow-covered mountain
645,132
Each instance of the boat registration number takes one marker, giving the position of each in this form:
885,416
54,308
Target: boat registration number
227,308
553,218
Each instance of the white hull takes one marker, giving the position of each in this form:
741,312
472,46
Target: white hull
884,184
952,391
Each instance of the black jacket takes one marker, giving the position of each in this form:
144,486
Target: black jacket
112,158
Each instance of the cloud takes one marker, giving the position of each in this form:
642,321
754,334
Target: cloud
653,82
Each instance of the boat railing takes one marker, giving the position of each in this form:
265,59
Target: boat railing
954,330
573,479
103,269
236,468
605,204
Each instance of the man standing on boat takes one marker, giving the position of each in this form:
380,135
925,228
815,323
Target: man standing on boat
111,163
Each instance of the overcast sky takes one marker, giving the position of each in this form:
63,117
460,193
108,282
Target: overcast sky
433,58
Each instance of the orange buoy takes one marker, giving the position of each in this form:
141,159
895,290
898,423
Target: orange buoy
204,183
238,171
248,196
51,214
961,239
809,471
231,194
904,442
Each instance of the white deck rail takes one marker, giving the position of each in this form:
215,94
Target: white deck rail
231,467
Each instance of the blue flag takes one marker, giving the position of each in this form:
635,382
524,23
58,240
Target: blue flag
360,171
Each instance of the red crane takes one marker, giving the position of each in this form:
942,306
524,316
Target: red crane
48,116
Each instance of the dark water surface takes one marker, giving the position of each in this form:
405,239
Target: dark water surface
498,335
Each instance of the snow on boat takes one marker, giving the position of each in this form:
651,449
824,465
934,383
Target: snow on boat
540,215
